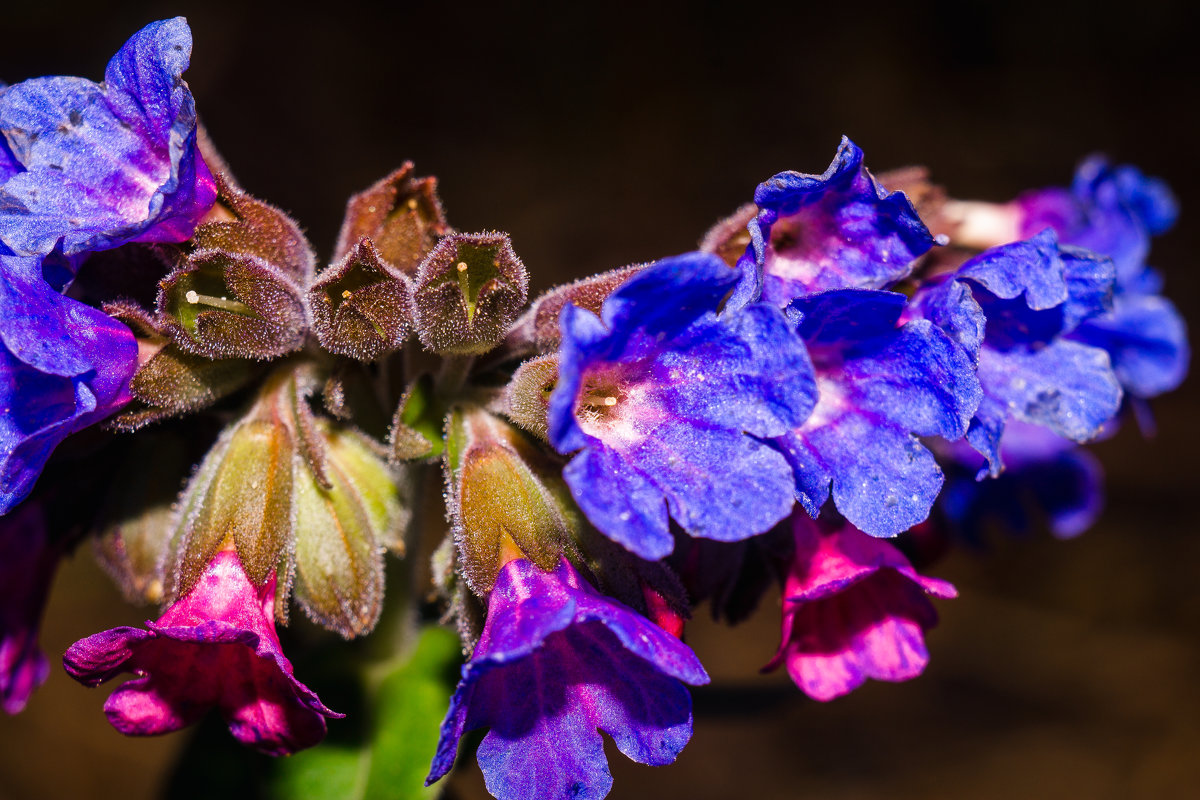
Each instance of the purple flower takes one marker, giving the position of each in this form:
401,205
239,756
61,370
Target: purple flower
1046,477
556,664
1109,210
27,565
1012,308
63,367
662,400
840,230
882,385
216,646
853,608
1114,211
91,166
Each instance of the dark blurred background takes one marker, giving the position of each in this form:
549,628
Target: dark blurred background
599,136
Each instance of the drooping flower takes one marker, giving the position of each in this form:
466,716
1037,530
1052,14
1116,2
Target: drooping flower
63,366
662,401
214,647
1012,307
839,230
557,663
27,565
882,385
91,166
1046,478
853,608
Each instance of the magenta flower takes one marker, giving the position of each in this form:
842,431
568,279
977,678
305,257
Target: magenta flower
853,608
27,564
216,646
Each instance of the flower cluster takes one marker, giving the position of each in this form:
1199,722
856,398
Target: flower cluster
832,369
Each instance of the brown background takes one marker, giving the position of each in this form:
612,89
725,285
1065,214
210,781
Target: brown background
600,136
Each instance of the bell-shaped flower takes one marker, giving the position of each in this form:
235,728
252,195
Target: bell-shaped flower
63,366
853,609
882,384
556,664
663,402
1046,479
214,647
91,166
839,230
27,564
1012,307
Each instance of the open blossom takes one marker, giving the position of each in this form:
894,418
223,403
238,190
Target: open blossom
882,384
91,166
1045,477
63,366
663,402
214,647
1012,308
557,663
853,609
839,230
27,564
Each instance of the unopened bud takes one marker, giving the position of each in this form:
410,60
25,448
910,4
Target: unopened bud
402,216
537,330
341,530
468,291
729,238
252,227
504,493
527,397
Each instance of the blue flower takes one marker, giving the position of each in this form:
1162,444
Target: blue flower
1114,211
557,663
63,367
663,402
839,230
90,166
1012,307
882,384
1046,477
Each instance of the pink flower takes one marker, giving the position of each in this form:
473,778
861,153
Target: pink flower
216,646
27,564
853,608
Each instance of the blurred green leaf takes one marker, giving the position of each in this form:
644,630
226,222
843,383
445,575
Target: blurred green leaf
407,699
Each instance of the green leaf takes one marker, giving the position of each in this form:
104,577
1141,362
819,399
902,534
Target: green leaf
407,699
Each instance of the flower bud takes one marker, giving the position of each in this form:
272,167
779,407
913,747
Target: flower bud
527,396
729,238
468,291
260,230
402,216
537,329
362,306
342,529
506,498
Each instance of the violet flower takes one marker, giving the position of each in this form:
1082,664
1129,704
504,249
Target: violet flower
1012,308
1046,477
662,401
556,662
90,166
853,609
216,646
63,366
27,565
839,230
882,385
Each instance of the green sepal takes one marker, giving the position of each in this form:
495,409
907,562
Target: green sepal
417,425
